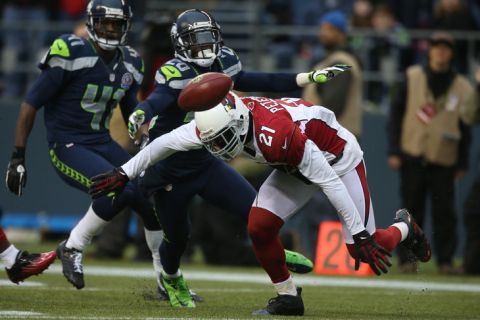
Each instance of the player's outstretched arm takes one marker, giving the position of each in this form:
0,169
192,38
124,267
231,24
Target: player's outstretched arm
322,75
16,176
183,138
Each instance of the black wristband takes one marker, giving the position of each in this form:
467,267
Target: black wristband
18,153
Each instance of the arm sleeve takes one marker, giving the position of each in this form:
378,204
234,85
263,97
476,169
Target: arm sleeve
129,101
395,119
315,168
45,87
266,82
183,138
333,93
159,100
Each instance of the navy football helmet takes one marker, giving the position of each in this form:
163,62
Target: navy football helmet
108,22
196,37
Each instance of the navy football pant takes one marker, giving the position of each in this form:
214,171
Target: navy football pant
218,184
76,164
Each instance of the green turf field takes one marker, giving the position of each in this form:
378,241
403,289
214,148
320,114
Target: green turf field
126,290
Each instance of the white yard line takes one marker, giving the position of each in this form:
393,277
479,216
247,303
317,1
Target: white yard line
318,281
12,314
8,283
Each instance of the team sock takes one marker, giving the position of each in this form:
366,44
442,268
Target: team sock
88,227
8,256
154,240
388,238
286,287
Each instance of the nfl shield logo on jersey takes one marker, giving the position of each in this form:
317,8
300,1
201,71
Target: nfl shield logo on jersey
127,80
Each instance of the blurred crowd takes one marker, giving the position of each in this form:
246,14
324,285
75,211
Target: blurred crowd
385,50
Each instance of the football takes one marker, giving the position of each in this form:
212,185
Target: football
204,91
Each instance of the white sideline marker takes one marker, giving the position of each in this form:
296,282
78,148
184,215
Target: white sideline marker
316,281
7,283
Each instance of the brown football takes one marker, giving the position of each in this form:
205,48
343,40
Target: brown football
204,91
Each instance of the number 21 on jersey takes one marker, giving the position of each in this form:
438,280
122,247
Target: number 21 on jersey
266,136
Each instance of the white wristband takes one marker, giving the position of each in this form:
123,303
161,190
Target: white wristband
303,79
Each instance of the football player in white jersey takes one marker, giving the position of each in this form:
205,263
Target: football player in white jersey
310,150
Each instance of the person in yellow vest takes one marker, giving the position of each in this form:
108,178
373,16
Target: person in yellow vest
428,144
344,95
344,98
470,114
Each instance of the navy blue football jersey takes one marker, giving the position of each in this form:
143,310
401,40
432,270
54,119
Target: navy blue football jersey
79,90
171,78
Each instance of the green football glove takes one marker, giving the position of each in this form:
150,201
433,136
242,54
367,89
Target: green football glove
324,75
136,119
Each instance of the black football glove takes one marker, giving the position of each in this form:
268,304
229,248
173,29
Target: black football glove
16,177
106,183
369,251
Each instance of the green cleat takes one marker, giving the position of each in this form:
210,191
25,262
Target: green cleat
177,291
297,262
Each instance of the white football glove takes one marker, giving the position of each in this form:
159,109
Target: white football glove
321,76
136,119
324,75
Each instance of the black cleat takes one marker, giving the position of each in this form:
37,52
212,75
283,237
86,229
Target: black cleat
164,296
416,240
71,264
29,264
285,305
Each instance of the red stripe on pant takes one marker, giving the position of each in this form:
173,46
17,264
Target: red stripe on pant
363,180
263,228
3,237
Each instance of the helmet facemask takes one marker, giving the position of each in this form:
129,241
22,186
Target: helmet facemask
228,142
199,43
107,26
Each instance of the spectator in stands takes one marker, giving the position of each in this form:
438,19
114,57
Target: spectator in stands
454,15
428,144
282,47
413,14
389,53
361,14
471,211
156,47
73,10
24,40
344,98
344,95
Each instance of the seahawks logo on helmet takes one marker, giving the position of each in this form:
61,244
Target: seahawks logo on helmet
108,22
196,37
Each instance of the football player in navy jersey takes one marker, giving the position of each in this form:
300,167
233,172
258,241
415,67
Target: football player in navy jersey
310,151
82,80
174,182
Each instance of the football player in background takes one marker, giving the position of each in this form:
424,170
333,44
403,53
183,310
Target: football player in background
199,48
310,150
81,81
20,264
